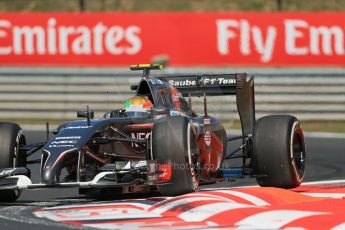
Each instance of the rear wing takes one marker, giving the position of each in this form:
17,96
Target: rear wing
199,85
217,85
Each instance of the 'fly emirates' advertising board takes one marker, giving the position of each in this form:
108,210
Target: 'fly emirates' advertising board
187,39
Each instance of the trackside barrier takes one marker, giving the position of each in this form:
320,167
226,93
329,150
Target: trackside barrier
43,94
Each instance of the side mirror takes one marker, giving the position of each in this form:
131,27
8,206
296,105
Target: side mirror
134,87
86,113
160,111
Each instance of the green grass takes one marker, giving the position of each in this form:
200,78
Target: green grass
171,5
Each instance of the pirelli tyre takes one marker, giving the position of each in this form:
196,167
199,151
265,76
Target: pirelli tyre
11,137
279,151
173,139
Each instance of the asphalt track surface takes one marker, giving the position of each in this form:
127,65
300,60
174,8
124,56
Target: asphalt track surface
325,161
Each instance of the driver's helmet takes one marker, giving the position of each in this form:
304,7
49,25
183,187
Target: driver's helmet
138,106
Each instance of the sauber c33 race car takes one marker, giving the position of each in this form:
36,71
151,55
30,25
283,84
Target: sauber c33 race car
157,143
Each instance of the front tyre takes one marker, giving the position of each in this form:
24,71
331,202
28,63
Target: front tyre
279,151
11,138
173,139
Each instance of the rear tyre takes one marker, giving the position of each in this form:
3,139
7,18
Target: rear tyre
173,139
279,151
11,137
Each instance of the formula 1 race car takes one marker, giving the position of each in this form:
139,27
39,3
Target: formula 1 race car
158,143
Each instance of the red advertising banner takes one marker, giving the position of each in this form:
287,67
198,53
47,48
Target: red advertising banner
188,39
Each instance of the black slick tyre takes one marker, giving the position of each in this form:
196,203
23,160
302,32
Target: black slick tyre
279,151
11,137
173,139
